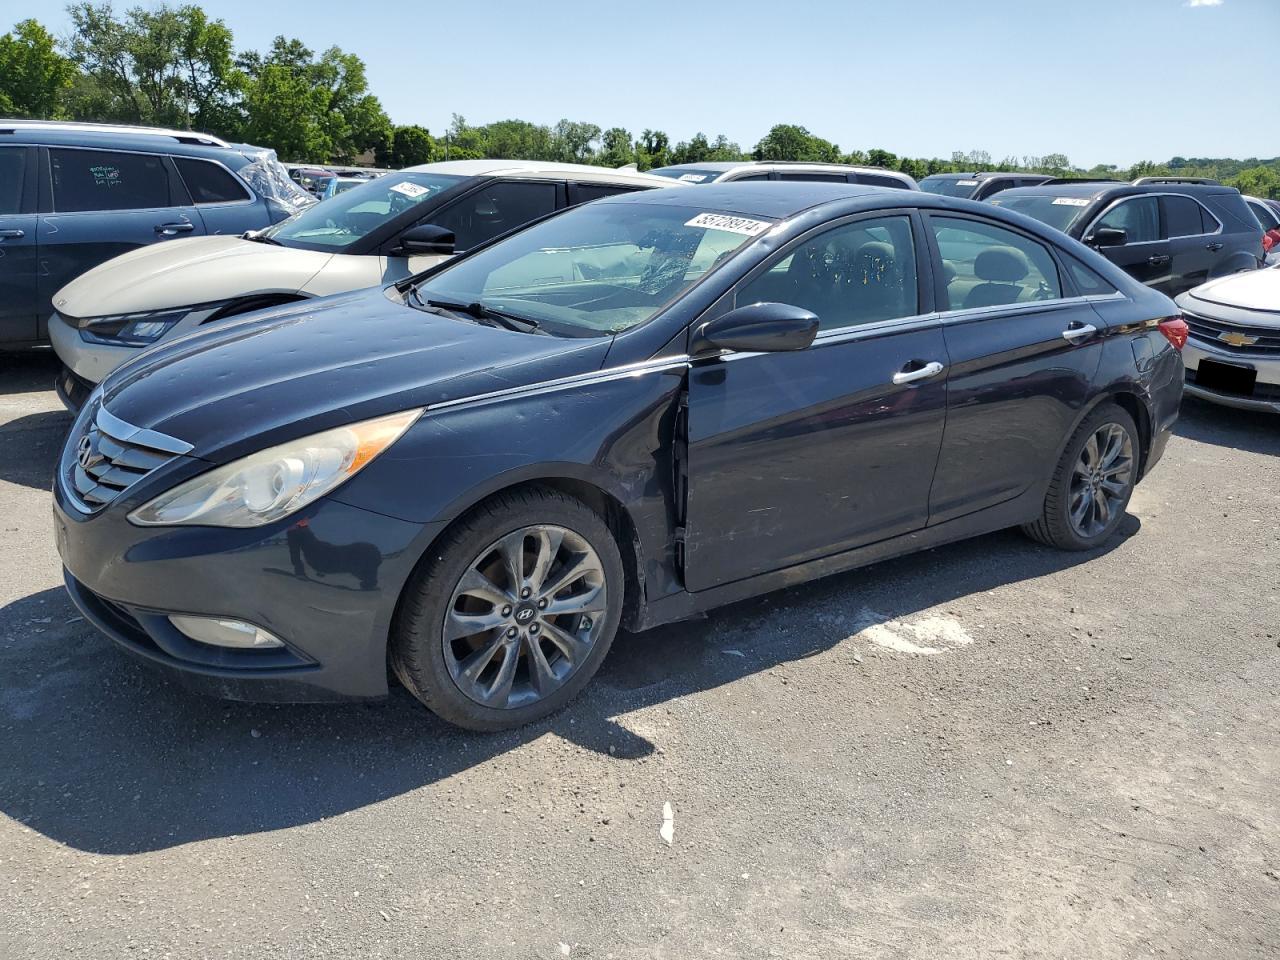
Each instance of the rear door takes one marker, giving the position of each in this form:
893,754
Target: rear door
1024,351
795,456
225,204
104,203
18,286
1145,255
1194,242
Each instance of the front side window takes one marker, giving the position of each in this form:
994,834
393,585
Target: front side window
986,265
106,180
1139,218
343,220
495,210
1182,217
862,272
209,183
13,164
600,268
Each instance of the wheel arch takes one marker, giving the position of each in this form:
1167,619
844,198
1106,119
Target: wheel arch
1128,397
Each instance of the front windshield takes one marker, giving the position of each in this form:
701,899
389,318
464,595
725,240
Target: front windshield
1058,212
948,186
340,221
598,269
688,174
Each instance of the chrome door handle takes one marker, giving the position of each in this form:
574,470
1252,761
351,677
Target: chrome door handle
173,229
1214,247
930,369
12,234
1076,334
1158,261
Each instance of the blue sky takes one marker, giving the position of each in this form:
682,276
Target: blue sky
1099,80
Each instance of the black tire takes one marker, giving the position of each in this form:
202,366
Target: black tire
1055,526
422,658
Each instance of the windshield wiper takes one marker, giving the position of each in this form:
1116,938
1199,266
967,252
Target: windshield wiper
260,238
478,311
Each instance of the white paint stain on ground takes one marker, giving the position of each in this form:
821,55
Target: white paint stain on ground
923,637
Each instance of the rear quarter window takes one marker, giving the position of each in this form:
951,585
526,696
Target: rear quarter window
208,182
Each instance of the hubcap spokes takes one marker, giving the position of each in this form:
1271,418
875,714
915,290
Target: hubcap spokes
524,616
1101,480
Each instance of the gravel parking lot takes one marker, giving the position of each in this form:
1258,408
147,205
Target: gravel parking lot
990,749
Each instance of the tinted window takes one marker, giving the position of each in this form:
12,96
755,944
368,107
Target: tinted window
208,182
859,273
948,186
103,180
750,177
1139,218
586,192
13,164
985,265
1181,217
496,209
873,180
1087,281
687,174
1265,217
1058,212
816,177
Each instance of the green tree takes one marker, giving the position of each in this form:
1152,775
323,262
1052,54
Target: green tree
34,77
405,146
882,158
1259,181
653,150
700,150
574,142
616,148
790,142
463,141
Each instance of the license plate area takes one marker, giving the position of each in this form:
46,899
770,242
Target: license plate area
1226,378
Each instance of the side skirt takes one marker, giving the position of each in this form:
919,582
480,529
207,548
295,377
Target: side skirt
683,606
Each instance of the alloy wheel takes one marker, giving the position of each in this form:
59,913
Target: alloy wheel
524,616
1101,480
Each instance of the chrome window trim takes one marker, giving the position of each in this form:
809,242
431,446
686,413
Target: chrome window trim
1088,231
1027,306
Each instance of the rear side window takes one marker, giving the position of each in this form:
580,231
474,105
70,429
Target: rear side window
1088,282
586,192
106,180
751,177
985,265
209,183
1182,217
815,177
13,165
1266,218
496,209
875,180
859,273
1139,218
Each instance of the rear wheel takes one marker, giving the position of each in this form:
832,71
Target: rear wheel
1092,484
514,614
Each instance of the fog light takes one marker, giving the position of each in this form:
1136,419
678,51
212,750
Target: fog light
225,633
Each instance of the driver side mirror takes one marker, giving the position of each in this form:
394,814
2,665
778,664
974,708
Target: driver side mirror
426,238
1107,237
758,328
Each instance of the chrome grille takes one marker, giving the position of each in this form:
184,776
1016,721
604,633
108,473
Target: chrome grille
109,456
1266,339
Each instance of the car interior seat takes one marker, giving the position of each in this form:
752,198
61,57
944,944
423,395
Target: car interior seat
1002,270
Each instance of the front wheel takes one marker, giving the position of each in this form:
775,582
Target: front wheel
1092,484
513,614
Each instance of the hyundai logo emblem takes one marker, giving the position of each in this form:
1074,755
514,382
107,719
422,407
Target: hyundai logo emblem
525,615
86,456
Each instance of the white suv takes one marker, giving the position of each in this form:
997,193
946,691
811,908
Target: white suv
374,233
726,171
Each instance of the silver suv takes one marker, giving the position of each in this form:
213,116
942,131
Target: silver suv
738,171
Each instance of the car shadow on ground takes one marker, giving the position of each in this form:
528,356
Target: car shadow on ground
28,371
102,755
29,447
1250,430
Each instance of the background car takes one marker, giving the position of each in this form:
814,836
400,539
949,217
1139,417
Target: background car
625,414
1268,214
73,195
978,185
751,170
1232,355
377,232
1170,234
337,185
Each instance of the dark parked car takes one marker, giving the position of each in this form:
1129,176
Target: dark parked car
1170,234
978,186
626,414
73,195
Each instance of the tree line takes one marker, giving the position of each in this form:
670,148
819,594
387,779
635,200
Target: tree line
173,66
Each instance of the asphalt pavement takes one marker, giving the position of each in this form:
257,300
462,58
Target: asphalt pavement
990,749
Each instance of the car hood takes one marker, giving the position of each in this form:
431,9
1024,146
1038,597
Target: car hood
294,370
180,273
1255,290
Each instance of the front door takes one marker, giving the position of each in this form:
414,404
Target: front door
795,456
1145,254
17,245
1024,350
106,203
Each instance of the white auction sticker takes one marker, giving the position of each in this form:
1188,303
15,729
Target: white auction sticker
1070,202
693,177
966,183
410,190
722,221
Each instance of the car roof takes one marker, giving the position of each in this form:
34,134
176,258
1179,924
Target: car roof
777,201
114,136
724,166
1095,189
535,168
987,175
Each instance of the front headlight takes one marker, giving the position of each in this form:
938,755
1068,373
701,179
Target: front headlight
131,329
276,482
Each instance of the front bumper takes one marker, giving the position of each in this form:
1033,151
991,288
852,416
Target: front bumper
1266,391
326,582
88,361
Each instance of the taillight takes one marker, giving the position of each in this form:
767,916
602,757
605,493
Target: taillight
1175,331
